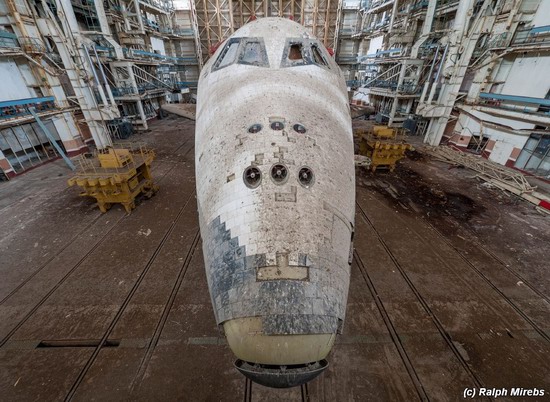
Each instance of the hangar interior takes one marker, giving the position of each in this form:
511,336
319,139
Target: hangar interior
449,287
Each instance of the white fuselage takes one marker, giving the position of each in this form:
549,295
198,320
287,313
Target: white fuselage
277,250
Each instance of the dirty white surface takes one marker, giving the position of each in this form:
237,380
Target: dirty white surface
309,227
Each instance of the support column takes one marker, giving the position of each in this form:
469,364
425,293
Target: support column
6,166
77,65
393,110
409,106
426,28
481,78
100,11
138,16
462,43
104,78
396,100
142,114
393,14
69,134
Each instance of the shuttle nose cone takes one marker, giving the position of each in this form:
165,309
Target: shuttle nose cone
278,361
281,376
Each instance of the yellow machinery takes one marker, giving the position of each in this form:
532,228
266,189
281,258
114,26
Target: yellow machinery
384,132
382,146
116,175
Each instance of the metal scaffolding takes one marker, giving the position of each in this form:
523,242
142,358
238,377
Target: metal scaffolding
218,19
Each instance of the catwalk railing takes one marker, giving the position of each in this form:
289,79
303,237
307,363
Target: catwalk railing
20,107
523,104
522,37
25,43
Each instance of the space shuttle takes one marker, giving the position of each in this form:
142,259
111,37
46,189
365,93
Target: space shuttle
276,197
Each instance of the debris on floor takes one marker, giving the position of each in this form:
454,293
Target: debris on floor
493,174
187,110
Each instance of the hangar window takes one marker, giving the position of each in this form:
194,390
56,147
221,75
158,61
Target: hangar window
535,156
253,53
228,54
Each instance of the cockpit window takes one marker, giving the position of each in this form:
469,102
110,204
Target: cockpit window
228,54
303,52
317,56
249,51
253,52
295,52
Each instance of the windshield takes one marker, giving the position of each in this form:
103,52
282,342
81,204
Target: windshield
249,51
303,52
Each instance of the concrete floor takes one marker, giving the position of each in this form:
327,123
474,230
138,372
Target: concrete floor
449,290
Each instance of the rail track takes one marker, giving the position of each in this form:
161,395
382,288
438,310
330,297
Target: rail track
72,391
248,384
438,324
384,186
488,281
485,278
165,312
43,300
105,342
392,331
491,254
67,245
53,257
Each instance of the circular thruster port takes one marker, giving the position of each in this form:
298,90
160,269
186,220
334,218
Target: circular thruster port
252,177
299,128
277,125
255,128
279,173
305,177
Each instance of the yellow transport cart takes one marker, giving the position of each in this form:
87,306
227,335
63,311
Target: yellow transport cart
382,146
116,175
384,132
383,154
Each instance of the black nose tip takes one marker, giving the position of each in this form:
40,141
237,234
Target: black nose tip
281,376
